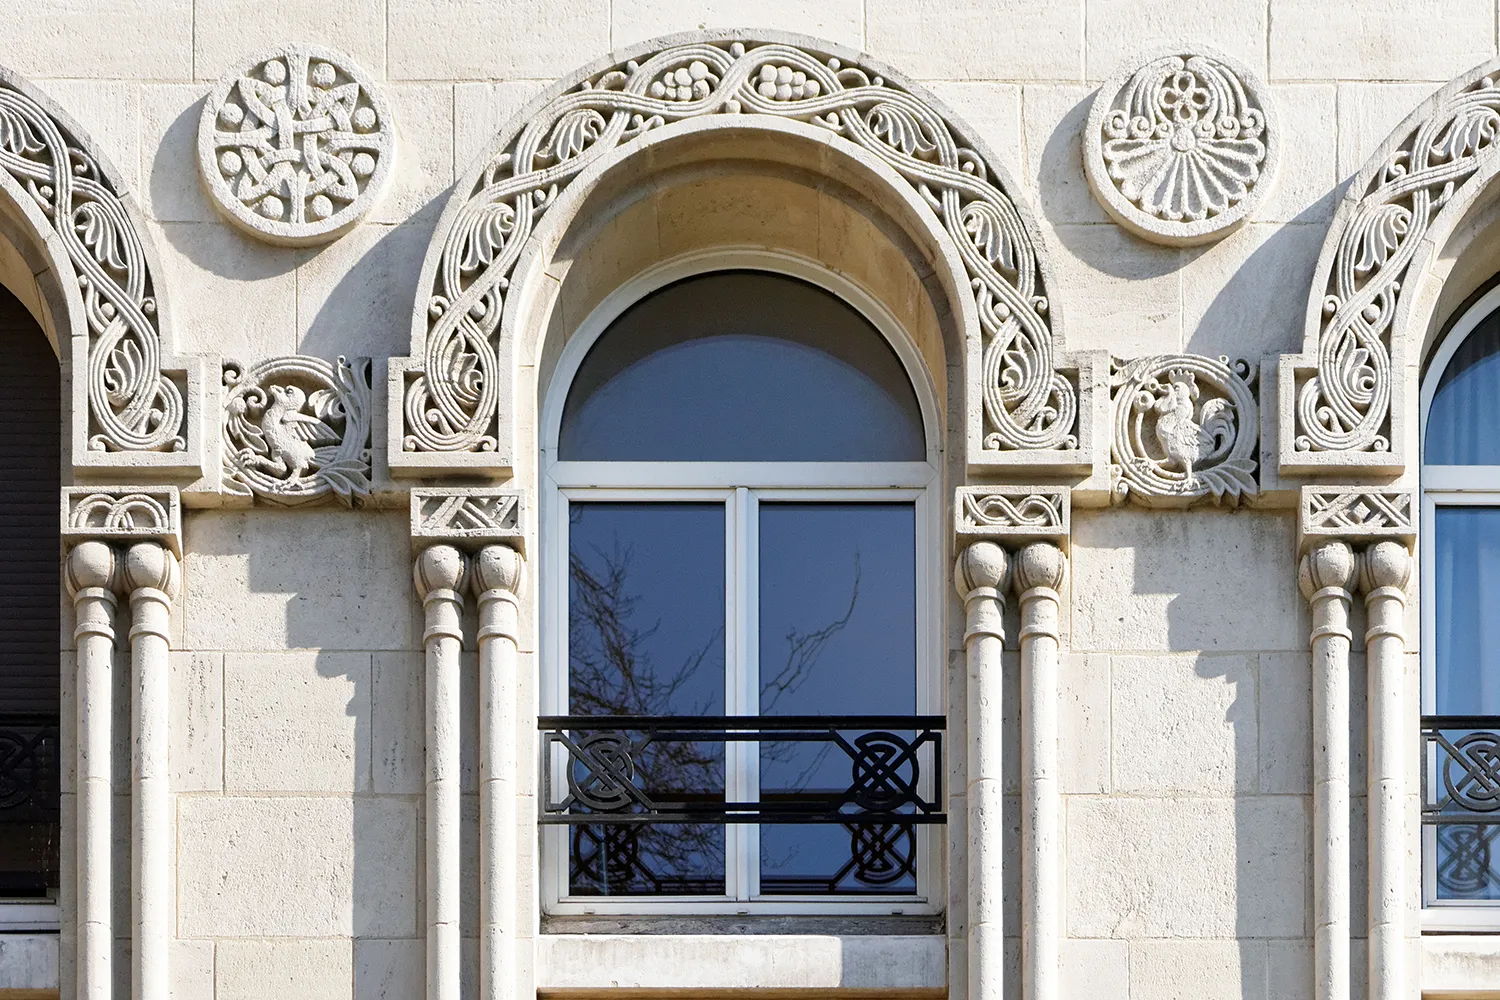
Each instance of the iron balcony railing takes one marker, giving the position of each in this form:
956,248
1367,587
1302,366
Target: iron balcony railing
1460,769
29,803
850,770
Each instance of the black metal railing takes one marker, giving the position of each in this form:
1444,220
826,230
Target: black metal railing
623,769
29,803
1461,802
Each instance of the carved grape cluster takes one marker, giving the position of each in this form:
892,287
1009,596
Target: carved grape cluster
782,83
692,82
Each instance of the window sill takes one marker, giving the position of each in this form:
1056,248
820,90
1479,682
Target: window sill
36,916
576,963
1461,966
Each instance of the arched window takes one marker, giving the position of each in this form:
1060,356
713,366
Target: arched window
737,668
1461,622
30,472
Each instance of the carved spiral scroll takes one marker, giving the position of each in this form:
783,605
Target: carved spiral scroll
1346,405
451,404
131,405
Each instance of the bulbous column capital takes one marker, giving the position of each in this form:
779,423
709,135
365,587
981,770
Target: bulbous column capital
1328,570
498,567
92,566
149,566
982,567
440,570
1385,570
1039,565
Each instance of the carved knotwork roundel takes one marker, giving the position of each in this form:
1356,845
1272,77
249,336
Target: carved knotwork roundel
1181,147
295,145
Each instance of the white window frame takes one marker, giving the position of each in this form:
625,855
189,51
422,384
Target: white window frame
741,486
1448,486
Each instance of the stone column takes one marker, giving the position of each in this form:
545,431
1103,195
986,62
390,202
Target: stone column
151,577
440,573
92,574
981,574
1385,570
497,581
1038,574
1326,575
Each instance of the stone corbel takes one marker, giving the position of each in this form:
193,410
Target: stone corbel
461,536
123,541
1013,536
1358,537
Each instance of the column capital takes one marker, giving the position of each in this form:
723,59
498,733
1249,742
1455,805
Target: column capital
1385,569
122,514
498,568
440,572
1038,566
151,566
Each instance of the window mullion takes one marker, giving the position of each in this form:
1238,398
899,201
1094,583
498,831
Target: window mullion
749,678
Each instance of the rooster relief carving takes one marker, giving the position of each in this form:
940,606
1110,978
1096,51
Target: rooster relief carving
1184,428
296,428
1190,437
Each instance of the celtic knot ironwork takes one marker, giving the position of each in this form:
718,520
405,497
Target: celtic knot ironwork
1461,769
1471,771
451,401
882,853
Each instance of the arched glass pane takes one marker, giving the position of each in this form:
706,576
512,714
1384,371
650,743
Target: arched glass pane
1463,423
741,366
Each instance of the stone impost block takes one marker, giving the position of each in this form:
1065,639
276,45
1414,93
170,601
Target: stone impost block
468,518
122,514
1014,514
1356,514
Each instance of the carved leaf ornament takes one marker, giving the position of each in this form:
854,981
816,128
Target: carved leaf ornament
132,406
1185,427
451,405
296,429
1346,405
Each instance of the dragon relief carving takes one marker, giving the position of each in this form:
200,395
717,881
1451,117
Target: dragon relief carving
132,405
1185,427
451,402
296,429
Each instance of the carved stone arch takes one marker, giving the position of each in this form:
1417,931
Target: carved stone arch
94,280
1348,401
453,405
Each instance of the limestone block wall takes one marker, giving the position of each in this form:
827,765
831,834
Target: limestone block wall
297,701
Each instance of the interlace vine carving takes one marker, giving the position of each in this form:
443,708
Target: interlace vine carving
122,513
297,428
296,145
451,404
1358,512
132,406
1010,512
1185,427
459,515
1176,150
1346,405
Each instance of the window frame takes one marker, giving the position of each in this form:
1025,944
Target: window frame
741,486
1447,486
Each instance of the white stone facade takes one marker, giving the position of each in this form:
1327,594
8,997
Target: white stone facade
305,529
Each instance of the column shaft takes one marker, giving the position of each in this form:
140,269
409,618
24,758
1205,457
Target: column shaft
1326,576
1384,572
439,574
1038,575
91,573
151,574
497,576
980,575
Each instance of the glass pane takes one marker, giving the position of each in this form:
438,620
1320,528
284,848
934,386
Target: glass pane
741,367
646,637
838,636
1466,560
1466,407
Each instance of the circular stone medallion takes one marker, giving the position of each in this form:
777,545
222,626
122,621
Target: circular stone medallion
1181,147
295,145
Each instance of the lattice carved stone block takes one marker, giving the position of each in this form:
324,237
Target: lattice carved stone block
1186,427
297,429
1010,514
1181,146
467,517
1357,513
295,145
122,514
